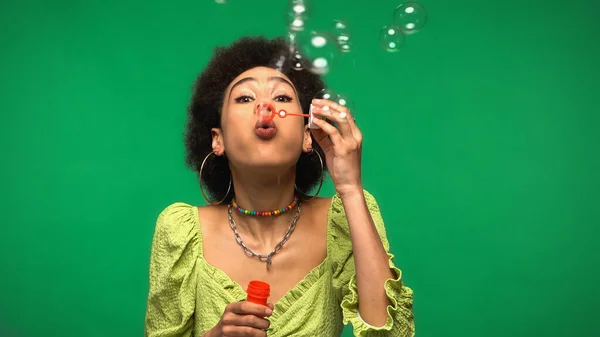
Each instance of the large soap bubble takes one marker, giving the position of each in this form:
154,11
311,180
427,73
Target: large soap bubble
410,17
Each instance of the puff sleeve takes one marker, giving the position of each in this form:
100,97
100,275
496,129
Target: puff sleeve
400,320
172,290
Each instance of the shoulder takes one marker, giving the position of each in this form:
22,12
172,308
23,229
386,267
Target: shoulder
210,213
178,213
319,206
176,224
334,205
175,248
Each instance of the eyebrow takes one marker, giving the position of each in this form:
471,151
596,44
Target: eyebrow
273,78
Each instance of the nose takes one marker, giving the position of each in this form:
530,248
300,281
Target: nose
265,111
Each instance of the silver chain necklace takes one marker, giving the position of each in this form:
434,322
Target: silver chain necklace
262,257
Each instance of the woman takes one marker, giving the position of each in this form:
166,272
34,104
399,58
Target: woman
327,259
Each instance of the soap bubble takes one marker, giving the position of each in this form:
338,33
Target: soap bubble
298,7
297,22
295,58
343,100
410,17
342,34
333,96
297,15
220,1
327,94
296,61
290,39
391,38
319,51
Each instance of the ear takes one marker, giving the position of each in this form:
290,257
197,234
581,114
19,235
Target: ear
307,141
217,141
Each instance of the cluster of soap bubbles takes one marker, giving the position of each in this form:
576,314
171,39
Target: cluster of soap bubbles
297,15
312,49
318,50
409,18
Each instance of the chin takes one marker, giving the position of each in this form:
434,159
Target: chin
267,163
272,164
268,156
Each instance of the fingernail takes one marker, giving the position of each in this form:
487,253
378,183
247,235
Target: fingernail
269,312
342,115
316,100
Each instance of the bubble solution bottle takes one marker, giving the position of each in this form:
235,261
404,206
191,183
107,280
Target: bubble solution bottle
258,292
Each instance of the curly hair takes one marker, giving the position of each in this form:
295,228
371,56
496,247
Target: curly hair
204,112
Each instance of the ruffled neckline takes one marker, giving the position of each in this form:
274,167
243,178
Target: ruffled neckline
291,297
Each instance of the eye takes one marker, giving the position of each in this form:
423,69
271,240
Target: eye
244,99
283,98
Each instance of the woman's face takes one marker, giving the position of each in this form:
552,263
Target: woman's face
251,141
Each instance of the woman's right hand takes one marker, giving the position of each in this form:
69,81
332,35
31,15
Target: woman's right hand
243,319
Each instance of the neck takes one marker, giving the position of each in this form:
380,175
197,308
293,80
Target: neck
264,192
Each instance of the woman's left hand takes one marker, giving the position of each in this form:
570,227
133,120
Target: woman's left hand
342,145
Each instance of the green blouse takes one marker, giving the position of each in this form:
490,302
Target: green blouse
187,296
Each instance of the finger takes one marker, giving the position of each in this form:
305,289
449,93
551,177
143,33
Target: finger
271,306
329,130
242,331
249,308
322,139
321,103
339,118
332,107
355,130
337,112
253,321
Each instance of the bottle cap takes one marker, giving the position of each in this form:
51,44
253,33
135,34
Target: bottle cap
258,292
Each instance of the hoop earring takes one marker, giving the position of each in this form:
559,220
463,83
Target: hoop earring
321,180
202,188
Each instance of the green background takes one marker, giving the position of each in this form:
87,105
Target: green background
480,144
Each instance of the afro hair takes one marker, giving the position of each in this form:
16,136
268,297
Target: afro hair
204,112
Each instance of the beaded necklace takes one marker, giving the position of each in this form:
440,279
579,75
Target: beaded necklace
278,211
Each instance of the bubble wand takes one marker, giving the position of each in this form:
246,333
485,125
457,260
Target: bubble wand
267,111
